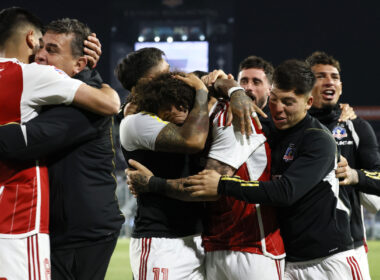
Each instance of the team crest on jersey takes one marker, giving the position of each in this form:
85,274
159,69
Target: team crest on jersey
339,132
61,72
289,153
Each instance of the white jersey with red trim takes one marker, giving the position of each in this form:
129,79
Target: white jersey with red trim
24,187
232,224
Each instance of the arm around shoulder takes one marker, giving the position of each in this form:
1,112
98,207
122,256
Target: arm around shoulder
103,101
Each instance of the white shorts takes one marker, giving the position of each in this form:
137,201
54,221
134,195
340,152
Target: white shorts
340,266
25,258
236,265
167,258
363,262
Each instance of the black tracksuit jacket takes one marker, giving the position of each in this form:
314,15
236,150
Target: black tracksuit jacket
357,142
304,189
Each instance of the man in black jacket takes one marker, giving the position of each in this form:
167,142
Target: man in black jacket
359,167
314,222
85,219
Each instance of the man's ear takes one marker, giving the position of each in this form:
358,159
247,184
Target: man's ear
30,39
309,102
80,64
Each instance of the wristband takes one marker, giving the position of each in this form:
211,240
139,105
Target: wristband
156,184
233,89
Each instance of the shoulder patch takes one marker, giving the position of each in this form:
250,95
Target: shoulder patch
339,132
61,72
289,153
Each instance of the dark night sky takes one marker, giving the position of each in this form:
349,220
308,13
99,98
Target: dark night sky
348,30
275,30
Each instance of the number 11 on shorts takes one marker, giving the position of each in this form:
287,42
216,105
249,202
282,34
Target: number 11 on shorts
164,271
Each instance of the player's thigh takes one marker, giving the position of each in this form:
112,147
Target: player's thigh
25,258
242,265
167,258
363,262
340,266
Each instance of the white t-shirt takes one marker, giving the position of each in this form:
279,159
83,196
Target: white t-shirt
139,131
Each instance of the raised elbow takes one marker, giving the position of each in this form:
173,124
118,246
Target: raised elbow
112,107
194,147
115,107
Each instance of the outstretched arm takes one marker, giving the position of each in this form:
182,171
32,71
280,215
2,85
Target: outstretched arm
48,133
294,183
141,180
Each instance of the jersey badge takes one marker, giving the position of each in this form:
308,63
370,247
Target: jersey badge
339,132
61,72
289,153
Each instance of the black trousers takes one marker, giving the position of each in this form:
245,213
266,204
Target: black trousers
83,263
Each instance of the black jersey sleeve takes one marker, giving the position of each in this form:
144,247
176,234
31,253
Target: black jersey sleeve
315,160
367,158
51,131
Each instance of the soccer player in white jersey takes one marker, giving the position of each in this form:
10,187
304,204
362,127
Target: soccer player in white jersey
24,192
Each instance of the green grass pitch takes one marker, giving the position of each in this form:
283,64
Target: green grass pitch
120,269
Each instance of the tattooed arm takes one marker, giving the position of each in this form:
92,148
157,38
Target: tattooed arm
176,188
191,136
142,180
241,106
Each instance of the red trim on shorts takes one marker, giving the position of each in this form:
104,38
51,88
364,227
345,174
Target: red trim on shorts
357,266
34,261
278,266
141,258
147,256
352,268
28,247
38,257
365,246
145,244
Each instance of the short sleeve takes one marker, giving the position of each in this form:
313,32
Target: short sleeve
139,131
46,85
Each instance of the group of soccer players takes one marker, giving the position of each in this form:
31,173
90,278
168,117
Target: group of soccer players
222,193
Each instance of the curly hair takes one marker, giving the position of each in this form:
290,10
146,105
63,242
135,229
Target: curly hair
294,75
136,65
162,92
258,63
319,57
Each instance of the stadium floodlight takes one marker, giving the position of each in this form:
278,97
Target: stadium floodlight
141,39
157,38
169,39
